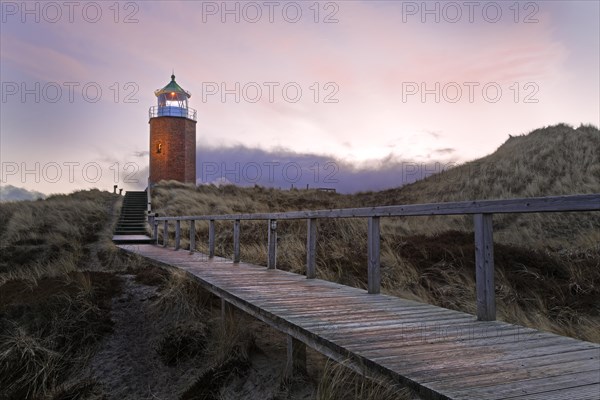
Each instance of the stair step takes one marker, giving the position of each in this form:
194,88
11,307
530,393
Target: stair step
132,221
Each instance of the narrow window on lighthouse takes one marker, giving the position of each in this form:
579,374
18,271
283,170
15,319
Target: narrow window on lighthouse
159,148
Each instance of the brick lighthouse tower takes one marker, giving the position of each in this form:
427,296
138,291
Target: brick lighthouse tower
172,136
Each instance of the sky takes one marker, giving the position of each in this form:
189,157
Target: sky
334,91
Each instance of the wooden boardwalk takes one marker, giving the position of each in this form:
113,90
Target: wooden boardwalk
441,353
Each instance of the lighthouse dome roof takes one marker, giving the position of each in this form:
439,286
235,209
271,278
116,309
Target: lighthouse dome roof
173,87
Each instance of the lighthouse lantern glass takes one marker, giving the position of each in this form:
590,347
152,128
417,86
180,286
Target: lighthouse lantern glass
173,99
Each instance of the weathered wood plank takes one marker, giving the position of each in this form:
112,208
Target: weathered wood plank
311,248
177,234
296,358
484,267
537,366
211,238
405,334
587,202
236,241
272,244
373,243
432,351
511,347
583,392
530,387
484,361
192,236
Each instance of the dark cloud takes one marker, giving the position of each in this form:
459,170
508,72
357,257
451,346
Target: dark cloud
283,168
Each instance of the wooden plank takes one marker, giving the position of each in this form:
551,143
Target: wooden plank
510,356
434,351
211,238
383,319
464,340
192,236
177,234
165,233
316,302
532,380
296,358
373,243
236,241
272,244
584,392
339,307
405,334
471,375
586,202
484,267
311,248
312,297
530,387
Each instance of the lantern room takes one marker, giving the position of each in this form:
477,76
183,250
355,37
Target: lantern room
172,102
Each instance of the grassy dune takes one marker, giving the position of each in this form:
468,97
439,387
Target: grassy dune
56,235
54,295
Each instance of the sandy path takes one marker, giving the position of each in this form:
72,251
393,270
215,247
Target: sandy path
126,364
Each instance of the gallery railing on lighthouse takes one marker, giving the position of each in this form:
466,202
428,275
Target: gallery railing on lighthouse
172,111
482,212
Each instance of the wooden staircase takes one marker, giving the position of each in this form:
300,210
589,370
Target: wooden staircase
131,227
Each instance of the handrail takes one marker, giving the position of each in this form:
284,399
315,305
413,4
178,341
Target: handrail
482,211
585,202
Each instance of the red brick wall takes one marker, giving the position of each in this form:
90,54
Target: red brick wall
177,157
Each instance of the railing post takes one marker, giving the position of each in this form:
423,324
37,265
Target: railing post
155,232
149,193
165,232
484,267
236,241
311,248
177,234
373,243
211,238
272,244
192,236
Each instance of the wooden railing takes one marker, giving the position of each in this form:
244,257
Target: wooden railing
482,212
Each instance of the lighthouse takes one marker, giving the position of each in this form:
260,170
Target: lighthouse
172,136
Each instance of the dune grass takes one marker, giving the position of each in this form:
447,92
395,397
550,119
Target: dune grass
338,381
54,300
